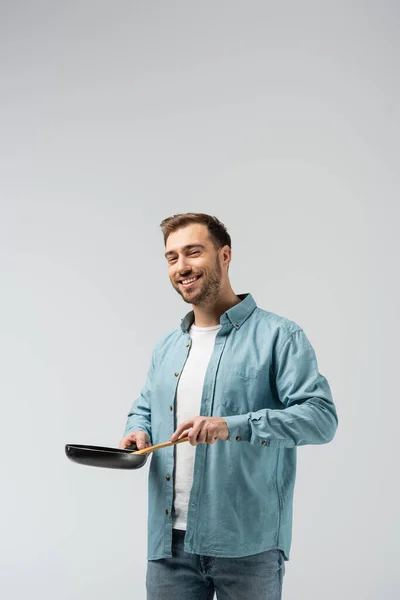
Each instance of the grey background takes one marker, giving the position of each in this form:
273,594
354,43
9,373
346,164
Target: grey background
283,121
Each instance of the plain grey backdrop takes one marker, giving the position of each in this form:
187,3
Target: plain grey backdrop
282,119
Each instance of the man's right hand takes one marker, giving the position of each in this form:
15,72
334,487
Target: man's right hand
140,437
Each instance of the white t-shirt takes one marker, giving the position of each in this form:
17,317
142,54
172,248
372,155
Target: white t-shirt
188,402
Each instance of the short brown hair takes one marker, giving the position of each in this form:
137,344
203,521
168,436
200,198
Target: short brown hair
216,230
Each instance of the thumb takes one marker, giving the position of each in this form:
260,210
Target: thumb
141,439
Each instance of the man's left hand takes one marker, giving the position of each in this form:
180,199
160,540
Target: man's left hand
202,430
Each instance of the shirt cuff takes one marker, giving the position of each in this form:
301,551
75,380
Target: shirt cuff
239,428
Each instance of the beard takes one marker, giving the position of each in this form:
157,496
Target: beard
209,287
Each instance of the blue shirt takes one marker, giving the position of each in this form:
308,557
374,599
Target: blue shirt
263,379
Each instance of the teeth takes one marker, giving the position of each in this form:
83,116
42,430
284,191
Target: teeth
185,281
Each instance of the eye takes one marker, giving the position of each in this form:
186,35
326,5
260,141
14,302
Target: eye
194,252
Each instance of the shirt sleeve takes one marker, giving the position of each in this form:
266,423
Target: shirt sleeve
309,416
139,416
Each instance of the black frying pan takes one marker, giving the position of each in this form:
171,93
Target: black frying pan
113,458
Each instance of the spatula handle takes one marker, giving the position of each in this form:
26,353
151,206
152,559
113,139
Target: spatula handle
163,445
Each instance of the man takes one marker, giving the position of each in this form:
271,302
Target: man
244,385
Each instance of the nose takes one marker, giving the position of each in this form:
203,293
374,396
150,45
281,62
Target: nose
182,266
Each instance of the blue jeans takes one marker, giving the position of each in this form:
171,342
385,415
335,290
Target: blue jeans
188,576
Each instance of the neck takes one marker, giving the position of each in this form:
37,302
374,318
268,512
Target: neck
208,315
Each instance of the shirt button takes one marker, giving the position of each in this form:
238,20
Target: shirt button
170,408
238,438
176,373
264,443
187,345
168,477
166,511
236,324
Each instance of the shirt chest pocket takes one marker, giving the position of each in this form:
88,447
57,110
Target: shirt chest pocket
244,373
242,388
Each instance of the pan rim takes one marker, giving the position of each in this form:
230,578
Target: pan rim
100,448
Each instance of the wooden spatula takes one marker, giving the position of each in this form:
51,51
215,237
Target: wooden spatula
158,446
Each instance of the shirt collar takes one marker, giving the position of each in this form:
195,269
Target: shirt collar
236,315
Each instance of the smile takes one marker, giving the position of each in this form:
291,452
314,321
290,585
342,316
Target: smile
188,282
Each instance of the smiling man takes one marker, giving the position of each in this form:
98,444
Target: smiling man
243,384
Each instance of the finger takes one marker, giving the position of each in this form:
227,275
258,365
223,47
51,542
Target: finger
125,443
181,429
183,434
194,435
202,436
202,431
211,437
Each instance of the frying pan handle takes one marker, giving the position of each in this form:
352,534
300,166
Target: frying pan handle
158,446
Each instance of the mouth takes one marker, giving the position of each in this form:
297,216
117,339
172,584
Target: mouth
189,282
